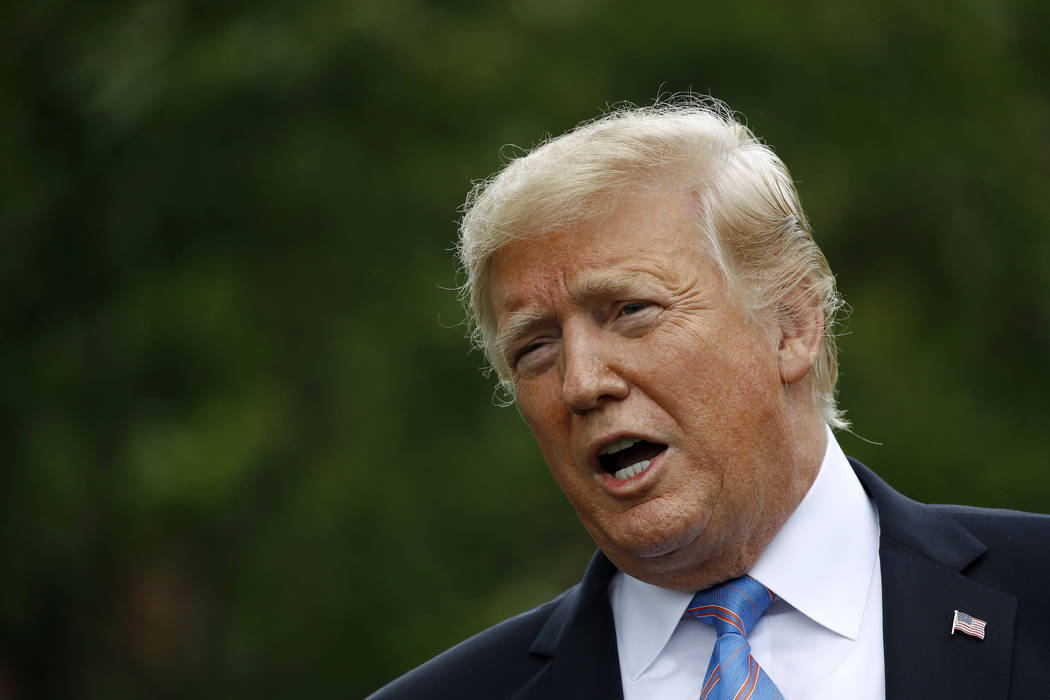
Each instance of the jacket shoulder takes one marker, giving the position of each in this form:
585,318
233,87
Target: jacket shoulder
492,664
1011,532
1016,542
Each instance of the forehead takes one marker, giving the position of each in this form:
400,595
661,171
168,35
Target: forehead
642,238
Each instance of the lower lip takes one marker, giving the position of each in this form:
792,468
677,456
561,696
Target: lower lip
631,485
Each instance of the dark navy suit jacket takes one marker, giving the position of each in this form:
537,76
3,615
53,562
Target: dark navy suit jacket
993,564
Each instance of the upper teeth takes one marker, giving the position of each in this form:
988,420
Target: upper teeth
621,444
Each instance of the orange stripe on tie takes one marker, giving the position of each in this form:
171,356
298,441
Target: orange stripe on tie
706,690
754,685
735,621
742,646
754,608
752,678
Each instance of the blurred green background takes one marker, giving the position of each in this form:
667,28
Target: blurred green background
247,452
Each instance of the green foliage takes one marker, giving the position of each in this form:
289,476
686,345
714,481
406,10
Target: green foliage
248,451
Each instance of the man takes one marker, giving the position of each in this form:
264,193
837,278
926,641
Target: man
647,288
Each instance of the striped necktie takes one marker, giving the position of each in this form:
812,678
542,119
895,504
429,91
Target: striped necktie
733,608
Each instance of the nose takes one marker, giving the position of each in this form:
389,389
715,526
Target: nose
588,378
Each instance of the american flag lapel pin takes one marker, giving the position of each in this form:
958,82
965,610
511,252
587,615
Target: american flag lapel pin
968,624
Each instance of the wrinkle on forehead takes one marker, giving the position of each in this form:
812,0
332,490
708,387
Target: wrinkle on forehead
605,275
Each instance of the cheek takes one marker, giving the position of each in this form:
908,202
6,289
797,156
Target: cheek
545,416
551,426
532,402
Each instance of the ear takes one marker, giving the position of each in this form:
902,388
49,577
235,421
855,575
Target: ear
801,333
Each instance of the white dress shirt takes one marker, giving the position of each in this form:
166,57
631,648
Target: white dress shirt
822,638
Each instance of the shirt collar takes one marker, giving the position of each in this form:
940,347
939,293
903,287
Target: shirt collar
823,572
821,561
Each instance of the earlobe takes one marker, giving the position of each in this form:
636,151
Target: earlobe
801,334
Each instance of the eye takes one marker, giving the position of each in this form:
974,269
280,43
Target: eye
633,307
531,355
529,348
533,351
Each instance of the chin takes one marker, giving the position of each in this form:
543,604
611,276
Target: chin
658,541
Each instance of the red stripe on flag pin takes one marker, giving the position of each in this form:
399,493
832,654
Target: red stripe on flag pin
968,624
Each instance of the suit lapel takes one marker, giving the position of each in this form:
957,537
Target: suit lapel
579,640
923,553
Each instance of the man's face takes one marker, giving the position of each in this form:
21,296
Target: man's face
658,407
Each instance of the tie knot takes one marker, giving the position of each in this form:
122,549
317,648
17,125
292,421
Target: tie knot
732,607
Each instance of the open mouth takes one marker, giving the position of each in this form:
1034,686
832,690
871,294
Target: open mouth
628,456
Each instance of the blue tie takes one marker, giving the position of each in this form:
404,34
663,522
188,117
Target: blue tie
733,608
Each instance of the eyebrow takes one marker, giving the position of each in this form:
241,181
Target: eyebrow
605,284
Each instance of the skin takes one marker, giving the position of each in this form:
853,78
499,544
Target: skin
624,327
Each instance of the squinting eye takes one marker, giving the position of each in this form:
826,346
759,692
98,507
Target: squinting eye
633,307
533,357
526,351
529,348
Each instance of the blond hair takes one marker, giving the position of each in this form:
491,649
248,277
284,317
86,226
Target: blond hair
748,212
